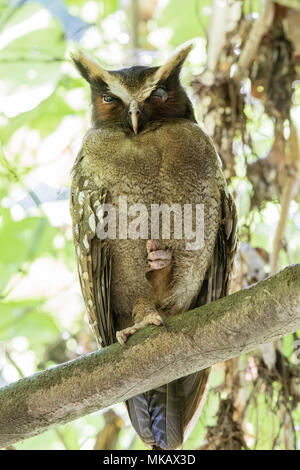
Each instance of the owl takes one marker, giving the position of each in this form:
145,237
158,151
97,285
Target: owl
145,158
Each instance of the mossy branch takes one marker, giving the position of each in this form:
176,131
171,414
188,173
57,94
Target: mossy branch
189,342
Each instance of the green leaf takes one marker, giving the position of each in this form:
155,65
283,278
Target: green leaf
77,3
25,240
45,118
47,441
185,19
260,411
110,7
22,242
287,346
27,318
30,59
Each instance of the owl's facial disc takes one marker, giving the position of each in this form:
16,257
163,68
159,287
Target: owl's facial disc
138,95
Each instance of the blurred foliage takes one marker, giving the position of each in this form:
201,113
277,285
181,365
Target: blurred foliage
43,116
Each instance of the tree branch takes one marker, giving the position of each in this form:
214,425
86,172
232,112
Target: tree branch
290,188
295,4
258,30
189,342
217,33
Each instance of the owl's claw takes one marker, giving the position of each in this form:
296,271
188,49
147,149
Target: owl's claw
151,319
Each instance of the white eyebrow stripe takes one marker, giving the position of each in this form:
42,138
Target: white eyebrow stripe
119,90
148,87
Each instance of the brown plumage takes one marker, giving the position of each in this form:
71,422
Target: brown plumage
145,145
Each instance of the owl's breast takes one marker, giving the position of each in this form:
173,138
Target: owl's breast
174,164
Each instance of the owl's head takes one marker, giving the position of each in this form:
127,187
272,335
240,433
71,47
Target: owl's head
136,96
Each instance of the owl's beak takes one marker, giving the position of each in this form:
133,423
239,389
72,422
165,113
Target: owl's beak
134,113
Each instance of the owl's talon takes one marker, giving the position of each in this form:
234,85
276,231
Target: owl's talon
151,319
121,337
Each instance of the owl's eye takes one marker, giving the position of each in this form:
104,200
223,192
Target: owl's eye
107,99
161,93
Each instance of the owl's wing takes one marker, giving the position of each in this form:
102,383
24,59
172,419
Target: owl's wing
216,282
93,256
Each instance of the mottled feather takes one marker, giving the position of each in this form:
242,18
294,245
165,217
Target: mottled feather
93,256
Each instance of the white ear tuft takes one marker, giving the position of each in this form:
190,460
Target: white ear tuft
176,61
88,67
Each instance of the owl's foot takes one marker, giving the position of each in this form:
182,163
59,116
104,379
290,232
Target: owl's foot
158,271
157,259
151,319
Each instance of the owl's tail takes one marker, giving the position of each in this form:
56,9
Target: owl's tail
164,417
